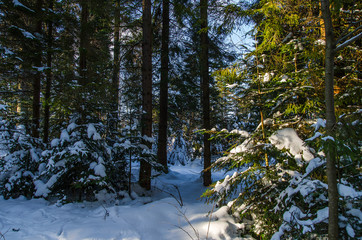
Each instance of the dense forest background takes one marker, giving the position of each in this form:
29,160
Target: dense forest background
90,87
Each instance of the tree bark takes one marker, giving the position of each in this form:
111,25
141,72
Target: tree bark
145,168
204,63
116,69
37,75
333,228
49,77
162,129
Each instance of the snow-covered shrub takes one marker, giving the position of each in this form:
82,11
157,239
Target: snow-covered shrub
178,152
79,164
21,165
289,198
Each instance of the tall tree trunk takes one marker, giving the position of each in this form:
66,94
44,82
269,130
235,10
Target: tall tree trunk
116,69
37,75
331,122
162,129
83,49
145,168
204,62
49,77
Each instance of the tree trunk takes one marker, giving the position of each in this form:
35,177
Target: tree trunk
162,129
37,75
83,49
116,69
49,77
145,168
331,121
204,63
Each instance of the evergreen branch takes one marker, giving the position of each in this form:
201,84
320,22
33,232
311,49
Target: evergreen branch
348,42
349,34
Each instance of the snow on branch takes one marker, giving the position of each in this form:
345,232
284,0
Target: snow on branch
349,41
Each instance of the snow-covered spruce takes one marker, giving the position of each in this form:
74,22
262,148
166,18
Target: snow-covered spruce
289,198
79,164
20,163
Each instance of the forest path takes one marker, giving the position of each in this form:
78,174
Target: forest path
156,217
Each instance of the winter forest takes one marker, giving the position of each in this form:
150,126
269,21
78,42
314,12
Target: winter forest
180,119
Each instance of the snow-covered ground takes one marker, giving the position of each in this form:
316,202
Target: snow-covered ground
158,216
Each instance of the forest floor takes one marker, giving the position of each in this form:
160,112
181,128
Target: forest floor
160,214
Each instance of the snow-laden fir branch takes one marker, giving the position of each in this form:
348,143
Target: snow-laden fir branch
348,42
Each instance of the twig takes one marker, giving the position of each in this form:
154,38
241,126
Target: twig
106,214
2,235
184,231
179,201
208,226
188,221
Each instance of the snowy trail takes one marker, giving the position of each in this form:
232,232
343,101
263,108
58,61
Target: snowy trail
160,219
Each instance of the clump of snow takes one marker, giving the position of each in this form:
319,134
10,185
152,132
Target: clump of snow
231,85
148,139
3,107
245,146
19,4
92,132
71,127
316,135
54,142
328,138
222,187
320,42
288,139
319,123
43,189
268,76
346,191
242,133
100,170
64,136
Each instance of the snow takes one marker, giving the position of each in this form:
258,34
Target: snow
156,216
319,123
3,107
288,139
328,138
242,133
346,191
268,76
19,4
92,132
64,136
316,135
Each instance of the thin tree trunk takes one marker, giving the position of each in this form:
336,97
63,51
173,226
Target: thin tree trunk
162,129
333,227
49,77
205,90
145,168
116,69
37,75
